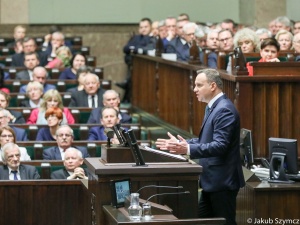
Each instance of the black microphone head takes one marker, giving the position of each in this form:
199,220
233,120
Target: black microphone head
109,132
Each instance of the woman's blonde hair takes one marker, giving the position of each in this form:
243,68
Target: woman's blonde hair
48,96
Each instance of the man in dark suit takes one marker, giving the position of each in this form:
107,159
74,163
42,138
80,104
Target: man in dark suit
109,118
92,94
64,139
12,169
15,116
212,43
110,98
217,147
72,162
29,45
31,61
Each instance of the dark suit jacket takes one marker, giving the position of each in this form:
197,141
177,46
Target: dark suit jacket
21,134
53,153
218,148
27,172
97,134
212,60
23,75
63,174
182,51
96,114
18,59
80,98
297,58
19,117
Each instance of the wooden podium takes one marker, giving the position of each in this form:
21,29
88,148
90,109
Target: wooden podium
173,173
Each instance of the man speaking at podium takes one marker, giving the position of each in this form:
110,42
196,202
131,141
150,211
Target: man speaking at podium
217,148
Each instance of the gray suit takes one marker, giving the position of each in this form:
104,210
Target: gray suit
27,172
23,75
63,174
80,98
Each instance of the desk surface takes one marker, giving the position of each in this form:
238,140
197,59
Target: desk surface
119,216
266,186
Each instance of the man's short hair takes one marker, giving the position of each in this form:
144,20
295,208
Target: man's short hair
212,75
146,19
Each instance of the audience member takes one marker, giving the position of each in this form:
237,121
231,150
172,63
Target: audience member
181,44
228,24
282,23
40,75
296,45
183,16
4,121
29,45
163,33
73,170
296,28
111,98
34,93
53,42
269,50
19,34
51,98
285,39
170,23
31,61
62,59
154,29
76,62
64,139
225,40
109,119
14,116
80,75
54,118
91,95
12,169
263,33
212,43
3,76
247,40
18,46
8,135
272,28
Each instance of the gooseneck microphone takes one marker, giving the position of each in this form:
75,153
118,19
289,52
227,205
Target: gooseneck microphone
156,186
110,134
169,193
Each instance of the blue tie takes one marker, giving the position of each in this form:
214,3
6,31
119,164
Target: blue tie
15,174
207,109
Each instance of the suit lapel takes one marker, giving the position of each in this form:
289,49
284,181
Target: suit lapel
57,153
22,172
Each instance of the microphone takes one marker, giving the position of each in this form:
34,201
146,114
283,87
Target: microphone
110,134
169,193
156,186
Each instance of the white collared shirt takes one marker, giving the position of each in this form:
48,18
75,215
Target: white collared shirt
30,75
62,153
11,175
90,101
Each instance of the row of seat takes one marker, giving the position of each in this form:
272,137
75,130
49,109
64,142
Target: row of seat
35,150
73,40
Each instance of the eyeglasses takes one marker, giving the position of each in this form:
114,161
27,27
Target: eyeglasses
225,39
8,135
62,135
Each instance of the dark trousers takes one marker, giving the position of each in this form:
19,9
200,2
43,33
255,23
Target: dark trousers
218,204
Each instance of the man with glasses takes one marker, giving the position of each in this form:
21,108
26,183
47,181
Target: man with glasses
12,169
64,139
4,121
225,40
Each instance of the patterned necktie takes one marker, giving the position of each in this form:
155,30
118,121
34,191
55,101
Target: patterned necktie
207,109
15,174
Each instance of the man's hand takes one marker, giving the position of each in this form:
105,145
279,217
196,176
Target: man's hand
180,147
78,173
162,144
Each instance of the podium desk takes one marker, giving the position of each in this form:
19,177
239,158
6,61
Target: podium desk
119,216
263,200
185,174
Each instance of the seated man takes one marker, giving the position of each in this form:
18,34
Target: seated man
54,41
111,98
12,169
108,120
29,45
212,43
64,139
296,45
19,34
72,162
269,50
91,96
20,133
40,75
31,61
226,40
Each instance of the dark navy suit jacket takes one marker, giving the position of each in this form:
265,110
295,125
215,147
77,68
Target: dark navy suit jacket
218,148
96,114
21,134
212,59
97,134
18,115
53,153
80,98
27,172
176,46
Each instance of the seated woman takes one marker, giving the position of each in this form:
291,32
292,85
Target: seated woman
51,98
269,50
248,40
285,39
7,135
81,72
76,62
62,59
34,92
54,117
